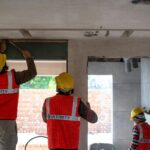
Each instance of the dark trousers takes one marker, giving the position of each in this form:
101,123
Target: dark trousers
8,135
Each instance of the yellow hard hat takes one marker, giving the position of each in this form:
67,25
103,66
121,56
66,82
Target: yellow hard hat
2,60
64,81
136,111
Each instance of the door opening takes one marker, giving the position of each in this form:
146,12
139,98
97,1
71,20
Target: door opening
100,96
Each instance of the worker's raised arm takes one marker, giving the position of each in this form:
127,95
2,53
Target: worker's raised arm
44,112
26,75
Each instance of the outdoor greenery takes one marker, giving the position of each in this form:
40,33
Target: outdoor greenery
48,82
40,82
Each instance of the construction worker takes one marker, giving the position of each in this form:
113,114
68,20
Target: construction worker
62,114
9,92
140,131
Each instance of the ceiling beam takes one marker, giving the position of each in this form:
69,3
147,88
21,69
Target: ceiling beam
127,33
73,29
107,33
25,33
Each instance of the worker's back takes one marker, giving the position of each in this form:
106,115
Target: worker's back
144,136
63,122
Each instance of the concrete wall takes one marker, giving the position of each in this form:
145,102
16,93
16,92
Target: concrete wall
145,84
79,50
43,67
145,81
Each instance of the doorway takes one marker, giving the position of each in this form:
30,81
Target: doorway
126,95
100,96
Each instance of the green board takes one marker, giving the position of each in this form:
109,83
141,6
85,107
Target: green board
39,50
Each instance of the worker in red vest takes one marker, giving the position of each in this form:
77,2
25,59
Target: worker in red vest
9,92
141,130
62,114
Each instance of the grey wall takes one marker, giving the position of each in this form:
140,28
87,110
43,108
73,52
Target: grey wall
126,94
145,84
145,81
78,52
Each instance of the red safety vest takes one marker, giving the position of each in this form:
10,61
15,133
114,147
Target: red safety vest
63,122
144,137
9,92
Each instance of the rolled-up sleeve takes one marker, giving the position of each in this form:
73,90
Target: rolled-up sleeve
135,139
44,113
26,75
86,113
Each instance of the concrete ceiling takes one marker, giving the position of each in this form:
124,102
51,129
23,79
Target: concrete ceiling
72,19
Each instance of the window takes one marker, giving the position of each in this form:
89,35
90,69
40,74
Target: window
100,98
29,120
31,98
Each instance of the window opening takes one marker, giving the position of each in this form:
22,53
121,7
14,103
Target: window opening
31,97
29,120
100,96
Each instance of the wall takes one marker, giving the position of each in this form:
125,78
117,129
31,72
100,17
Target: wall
145,80
145,84
78,52
43,67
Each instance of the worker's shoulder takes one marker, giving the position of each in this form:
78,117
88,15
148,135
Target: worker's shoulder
13,71
75,96
51,97
47,99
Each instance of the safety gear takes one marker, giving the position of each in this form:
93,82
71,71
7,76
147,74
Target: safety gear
63,122
139,118
136,111
144,136
2,60
64,82
9,91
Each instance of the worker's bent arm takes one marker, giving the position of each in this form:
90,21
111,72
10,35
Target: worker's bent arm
26,75
135,139
44,113
86,113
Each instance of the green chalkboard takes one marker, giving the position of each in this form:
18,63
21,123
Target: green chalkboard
39,50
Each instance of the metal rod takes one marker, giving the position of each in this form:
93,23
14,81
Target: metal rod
17,47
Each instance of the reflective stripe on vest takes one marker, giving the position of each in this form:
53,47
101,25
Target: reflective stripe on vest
63,117
10,85
141,140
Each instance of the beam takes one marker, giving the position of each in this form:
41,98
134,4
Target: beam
127,33
74,29
25,33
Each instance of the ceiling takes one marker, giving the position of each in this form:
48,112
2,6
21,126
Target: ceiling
73,19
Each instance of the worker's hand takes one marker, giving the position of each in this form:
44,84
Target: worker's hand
88,105
26,54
